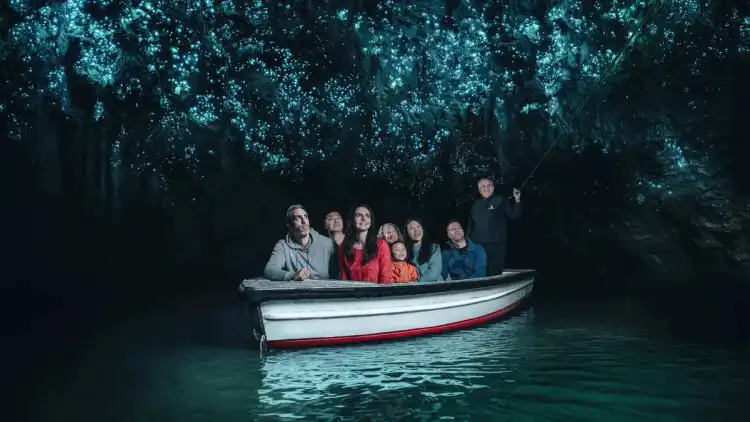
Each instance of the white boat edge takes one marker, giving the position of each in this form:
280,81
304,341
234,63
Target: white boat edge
305,320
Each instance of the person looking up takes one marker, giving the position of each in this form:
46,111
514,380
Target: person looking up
488,224
334,225
362,256
424,254
402,271
302,254
390,233
463,259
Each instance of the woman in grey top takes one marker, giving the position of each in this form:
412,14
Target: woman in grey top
424,254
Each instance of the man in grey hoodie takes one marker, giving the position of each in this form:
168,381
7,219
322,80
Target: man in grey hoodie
302,254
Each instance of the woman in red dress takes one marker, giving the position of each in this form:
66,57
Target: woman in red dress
362,256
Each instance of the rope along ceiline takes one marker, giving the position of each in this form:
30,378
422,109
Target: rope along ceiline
601,78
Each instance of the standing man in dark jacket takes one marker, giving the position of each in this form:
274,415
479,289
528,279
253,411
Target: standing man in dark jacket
489,220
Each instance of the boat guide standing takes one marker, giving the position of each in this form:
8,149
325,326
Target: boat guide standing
488,223
302,254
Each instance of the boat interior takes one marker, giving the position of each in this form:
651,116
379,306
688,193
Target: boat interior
261,289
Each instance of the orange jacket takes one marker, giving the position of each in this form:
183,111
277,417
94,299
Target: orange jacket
403,272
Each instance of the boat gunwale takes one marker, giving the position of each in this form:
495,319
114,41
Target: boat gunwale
309,291
356,313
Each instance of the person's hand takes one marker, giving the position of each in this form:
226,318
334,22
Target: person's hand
302,274
517,195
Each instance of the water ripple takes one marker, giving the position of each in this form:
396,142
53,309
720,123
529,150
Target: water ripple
543,364
516,367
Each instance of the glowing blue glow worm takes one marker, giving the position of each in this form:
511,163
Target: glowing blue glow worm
255,81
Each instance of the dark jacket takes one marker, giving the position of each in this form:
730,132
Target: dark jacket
488,222
333,264
469,263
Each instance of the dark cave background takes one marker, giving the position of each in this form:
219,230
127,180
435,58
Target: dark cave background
645,192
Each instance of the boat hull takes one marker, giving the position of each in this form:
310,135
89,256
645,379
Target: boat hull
385,313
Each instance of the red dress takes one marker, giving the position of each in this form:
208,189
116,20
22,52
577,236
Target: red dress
377,270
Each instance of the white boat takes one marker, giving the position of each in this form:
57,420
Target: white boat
294,314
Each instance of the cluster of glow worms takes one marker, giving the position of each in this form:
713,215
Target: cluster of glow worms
397,82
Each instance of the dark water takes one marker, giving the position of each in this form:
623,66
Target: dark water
613,360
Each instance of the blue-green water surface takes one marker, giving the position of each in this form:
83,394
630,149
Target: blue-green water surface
603,360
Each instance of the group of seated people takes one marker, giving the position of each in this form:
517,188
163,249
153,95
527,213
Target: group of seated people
358,252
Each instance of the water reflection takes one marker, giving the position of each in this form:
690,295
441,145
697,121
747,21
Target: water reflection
387,378
444,360
566,362
523,368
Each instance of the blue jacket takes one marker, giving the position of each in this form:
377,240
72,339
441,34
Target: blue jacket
471,263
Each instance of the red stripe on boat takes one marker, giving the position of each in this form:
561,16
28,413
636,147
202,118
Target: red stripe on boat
413,332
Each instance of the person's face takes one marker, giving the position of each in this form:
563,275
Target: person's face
486,188
362,219
389,234
300,222
334,222
414,230
455,232
399,251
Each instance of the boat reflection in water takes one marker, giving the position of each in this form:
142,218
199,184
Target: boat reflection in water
579,362
392,379
584,360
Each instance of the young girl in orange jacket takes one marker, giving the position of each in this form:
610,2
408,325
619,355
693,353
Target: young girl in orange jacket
401,271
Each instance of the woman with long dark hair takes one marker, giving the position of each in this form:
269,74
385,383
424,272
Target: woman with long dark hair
362,256
424,254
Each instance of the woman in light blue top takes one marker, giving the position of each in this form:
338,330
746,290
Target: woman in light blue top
424,254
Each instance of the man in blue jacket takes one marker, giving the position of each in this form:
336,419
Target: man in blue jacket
489,220
463,259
